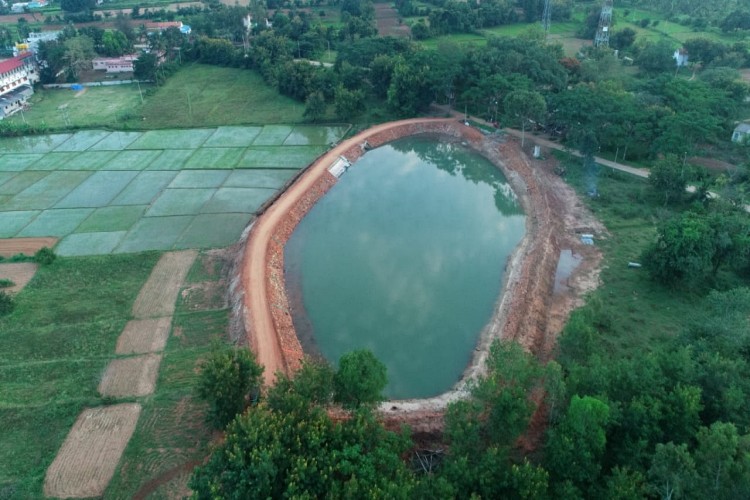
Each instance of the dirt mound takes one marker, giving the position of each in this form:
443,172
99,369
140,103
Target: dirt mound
27,246
158,295
90,454
19,273
128,377
142,336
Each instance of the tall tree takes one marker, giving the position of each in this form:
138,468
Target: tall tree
360,379
524,107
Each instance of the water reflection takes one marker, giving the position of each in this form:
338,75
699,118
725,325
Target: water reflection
405,256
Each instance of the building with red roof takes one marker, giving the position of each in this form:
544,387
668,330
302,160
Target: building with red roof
17,77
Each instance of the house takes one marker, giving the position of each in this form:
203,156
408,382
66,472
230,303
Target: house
41,36
123,64
741,133
17,77
681,57
158,27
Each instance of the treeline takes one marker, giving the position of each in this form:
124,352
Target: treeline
449,16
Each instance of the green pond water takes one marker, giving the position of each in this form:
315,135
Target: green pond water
405,256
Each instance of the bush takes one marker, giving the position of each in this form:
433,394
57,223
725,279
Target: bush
7,304
45,256
227,379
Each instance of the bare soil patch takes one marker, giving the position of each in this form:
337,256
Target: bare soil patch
128,377
141,336
90,454
27,246
387,21
205,296
19,273
159,293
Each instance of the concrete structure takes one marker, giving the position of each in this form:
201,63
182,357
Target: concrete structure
681,57
741,133
122,64
17,75
42,36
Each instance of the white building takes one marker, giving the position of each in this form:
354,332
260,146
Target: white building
17,77
741,133
122,64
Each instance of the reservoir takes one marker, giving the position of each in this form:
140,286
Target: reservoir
405,256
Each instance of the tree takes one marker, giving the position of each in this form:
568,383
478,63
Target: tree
115,43
667,177
655,57
298,452
672,470
23,28
79,51
719,462
622,39
227,379
576,446
524,107
77,5
315,106
144,68
348,103
683,250
360,379
410,90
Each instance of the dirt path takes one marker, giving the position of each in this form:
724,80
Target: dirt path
159,293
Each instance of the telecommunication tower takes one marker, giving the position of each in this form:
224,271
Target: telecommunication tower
605,20
546,17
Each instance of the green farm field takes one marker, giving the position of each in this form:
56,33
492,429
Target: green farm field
116,192
53,353
197,95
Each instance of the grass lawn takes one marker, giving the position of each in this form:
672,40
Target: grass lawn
197,95
94,107
630,311
53,350
202,95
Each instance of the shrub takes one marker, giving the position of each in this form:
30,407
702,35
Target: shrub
227,378
45,256
7,304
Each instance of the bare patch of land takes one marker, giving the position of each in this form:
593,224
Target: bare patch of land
88,457
20,273
142,336
27,246
159,293
128,377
